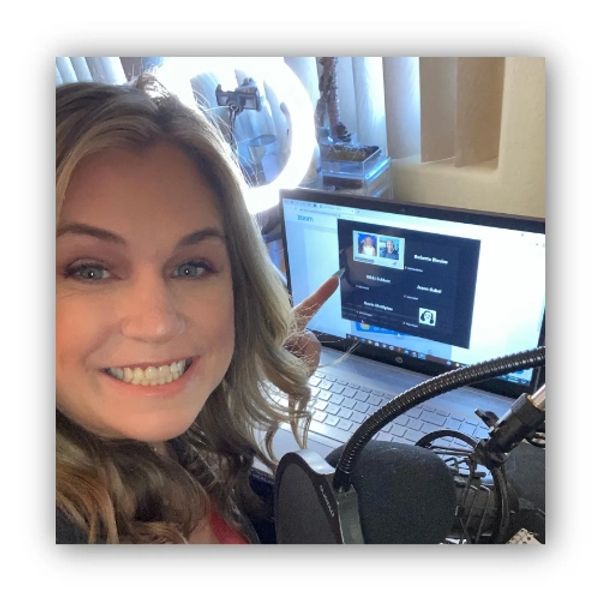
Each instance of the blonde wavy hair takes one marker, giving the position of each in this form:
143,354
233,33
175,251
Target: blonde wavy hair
122,491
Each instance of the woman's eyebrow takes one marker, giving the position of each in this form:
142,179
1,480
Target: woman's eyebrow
197,236
83,229
104,234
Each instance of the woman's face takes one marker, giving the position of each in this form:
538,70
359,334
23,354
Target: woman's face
144,306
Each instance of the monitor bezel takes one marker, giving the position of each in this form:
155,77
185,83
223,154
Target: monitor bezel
461,215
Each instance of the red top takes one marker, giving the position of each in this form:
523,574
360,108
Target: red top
223,532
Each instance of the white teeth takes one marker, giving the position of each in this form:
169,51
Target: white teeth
151,374
138,375
158,375
164,374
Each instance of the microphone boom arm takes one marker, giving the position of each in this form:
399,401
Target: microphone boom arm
428,389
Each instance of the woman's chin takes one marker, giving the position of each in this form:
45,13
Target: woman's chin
149,428
153,431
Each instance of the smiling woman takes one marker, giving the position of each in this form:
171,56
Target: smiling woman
169,322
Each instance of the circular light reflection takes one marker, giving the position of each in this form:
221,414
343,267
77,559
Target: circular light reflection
176,73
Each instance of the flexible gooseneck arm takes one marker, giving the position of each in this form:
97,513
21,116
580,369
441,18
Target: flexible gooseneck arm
424,391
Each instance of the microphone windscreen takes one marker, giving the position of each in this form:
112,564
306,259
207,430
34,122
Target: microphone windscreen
525,469
406,494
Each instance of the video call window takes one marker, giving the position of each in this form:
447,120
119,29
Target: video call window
381,250
408,280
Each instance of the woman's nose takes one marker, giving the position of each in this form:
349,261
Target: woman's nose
150,311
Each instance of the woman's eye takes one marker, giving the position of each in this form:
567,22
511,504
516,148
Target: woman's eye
191,270
88,272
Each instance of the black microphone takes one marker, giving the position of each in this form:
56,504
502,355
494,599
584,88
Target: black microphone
400,494
394,493
521,421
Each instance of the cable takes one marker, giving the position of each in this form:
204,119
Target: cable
341,358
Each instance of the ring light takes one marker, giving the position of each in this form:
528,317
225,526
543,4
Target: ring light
176,73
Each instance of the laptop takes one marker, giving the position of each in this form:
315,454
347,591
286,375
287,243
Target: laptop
425,289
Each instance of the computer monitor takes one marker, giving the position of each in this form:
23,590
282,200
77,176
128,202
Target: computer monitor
428,287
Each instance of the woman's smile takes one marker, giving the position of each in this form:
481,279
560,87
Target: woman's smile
155,374
154,381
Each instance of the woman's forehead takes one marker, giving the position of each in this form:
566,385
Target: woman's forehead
131,190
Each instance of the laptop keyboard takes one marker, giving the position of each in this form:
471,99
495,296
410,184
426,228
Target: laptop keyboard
340,406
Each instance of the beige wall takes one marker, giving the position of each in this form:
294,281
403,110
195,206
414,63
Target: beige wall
515,182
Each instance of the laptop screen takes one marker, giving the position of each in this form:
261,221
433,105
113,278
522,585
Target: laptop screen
431,288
